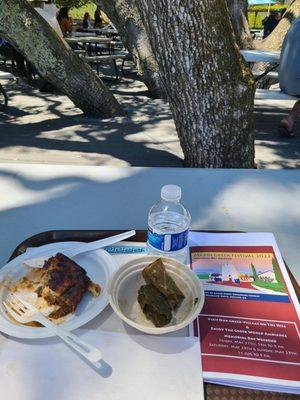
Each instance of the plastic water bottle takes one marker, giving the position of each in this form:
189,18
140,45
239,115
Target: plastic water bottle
168,225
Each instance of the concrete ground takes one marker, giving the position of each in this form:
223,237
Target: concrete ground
47,128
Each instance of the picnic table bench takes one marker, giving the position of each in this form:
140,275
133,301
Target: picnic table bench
98,59
92,44
261,56
88,39
270,57
271,94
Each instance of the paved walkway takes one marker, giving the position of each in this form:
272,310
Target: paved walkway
47,128
272,151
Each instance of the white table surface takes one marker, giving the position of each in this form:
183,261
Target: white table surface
36,198
261,56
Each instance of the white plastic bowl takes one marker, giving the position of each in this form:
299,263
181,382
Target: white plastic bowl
123,293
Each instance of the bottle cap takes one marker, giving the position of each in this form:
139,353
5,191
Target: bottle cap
171,193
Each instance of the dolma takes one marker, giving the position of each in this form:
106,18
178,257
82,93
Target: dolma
156,274
154,305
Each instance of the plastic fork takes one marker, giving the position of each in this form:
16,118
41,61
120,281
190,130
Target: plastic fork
24,312
82,248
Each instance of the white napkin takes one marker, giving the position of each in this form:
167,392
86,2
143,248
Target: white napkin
134,367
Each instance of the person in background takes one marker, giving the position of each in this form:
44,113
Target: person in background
98,20
270,23
65,22
9,52
86,23
289,76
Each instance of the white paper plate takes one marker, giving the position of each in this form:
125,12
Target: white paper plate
127,280
99,266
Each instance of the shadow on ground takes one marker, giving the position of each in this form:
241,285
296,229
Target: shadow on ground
39,127
271,150
47,128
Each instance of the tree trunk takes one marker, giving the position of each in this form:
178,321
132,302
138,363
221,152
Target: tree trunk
25,29
238,10
275,39
209,86
125,16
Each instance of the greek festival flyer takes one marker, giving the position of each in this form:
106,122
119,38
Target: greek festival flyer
249,325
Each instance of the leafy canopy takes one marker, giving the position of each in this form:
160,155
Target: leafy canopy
72,3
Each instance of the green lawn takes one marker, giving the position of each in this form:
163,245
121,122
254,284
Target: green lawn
203,276
78,13
277,287
257,13
256,23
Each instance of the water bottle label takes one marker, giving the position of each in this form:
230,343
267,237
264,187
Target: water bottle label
168,242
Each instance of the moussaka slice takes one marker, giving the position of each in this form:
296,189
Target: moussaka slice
63,283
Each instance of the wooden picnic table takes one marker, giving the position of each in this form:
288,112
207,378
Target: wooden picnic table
253,56
92,43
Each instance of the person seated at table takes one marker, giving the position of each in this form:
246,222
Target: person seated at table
98,20
65,22
86,23
289,76
270,23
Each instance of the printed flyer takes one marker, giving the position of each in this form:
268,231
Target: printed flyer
249,325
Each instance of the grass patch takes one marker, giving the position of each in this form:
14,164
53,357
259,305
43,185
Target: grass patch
277,287
257,13
203,276
78,13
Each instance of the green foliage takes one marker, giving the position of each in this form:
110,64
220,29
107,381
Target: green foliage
276,271
257,13
203,276
276,287
265,8
254,273
78,13
77,8
72,3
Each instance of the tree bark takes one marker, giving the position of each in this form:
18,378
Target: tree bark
210,88
275,39
25,29
238,10
125,16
